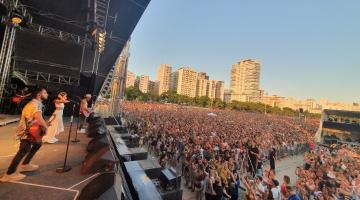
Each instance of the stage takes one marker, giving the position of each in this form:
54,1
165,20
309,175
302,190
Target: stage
45,183
8,119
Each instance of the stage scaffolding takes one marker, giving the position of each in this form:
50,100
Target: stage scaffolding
108,103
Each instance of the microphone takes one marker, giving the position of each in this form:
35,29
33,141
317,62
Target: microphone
72,101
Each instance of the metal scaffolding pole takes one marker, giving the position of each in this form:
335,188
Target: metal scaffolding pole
5,56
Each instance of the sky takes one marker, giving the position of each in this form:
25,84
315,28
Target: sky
307,48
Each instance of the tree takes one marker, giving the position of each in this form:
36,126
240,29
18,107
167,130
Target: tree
203,101
170,96
217,103
132,93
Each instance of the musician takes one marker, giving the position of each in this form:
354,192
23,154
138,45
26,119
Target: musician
84,111
57,125
28,146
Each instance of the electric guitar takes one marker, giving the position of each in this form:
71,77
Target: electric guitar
35,131
19,98
87,113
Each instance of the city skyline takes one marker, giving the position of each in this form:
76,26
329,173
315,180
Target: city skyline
154,78
303,56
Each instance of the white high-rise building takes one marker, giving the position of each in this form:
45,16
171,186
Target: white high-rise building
130,79
174,80
220,90
186,81
164,78
202,86
216,90
245,81
144,84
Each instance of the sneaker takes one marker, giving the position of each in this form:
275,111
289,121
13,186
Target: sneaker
16,176
52,141
28,168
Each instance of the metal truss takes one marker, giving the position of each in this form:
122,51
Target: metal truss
101,12
48,77
5,56
59,34
15,4
113,87
20,60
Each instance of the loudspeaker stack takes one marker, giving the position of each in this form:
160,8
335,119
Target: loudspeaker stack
99,160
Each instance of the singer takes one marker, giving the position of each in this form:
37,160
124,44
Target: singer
57,126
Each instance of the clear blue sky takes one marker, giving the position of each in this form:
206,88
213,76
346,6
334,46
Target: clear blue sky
307,48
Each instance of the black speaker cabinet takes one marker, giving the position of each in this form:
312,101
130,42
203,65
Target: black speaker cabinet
101,160
96,187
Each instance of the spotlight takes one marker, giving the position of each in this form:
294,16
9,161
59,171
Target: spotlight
16,17
101,40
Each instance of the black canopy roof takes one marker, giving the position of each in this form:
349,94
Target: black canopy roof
343,113
37,51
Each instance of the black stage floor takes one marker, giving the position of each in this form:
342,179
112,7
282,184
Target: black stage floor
45,183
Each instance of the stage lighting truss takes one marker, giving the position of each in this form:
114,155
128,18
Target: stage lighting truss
58,34
17,14
47,77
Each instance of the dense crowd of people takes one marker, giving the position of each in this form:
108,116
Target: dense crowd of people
330,173
222,152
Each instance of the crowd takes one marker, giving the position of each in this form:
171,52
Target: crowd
330,173
222,152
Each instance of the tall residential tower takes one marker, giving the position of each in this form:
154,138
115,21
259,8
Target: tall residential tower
164,78
245,81
186,81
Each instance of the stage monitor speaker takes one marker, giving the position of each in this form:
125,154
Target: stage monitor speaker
121,130
98,186
93,118
97,143
113,121
97,132
95,124
171,195
101,160
169,180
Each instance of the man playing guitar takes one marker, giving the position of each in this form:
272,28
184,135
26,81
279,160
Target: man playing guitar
28,146
84,111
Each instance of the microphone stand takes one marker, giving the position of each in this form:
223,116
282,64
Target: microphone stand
66,168
76,140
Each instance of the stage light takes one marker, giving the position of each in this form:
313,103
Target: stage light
101,40
16,17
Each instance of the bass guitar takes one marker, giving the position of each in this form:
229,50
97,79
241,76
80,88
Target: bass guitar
36,131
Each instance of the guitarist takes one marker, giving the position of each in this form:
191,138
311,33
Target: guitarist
28,147
85,111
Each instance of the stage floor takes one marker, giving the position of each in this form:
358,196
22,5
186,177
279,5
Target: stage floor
45,183
8,119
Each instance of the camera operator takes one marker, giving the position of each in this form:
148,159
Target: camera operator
254,154
272,158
